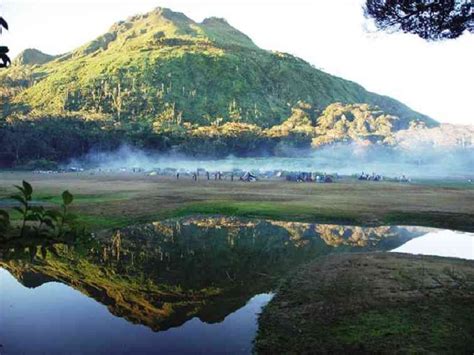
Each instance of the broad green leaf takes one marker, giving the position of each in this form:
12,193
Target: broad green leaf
67,198
21,189
28,188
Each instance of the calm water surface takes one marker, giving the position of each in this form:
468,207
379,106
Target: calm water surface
193,285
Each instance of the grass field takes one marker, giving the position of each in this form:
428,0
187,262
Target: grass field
376,303
115,200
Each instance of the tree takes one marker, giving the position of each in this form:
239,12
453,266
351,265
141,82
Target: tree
431,20
4,58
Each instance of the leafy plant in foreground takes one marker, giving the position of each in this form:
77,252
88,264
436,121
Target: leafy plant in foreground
44,218
37,221
24,198
63,216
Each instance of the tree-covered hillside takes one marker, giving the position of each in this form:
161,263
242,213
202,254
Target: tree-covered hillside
162,81
203,71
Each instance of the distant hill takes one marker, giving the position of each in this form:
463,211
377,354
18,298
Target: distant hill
163,66
443,136
32,56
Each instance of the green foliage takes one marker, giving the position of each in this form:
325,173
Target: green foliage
63,216
143,66
67,198
37,221
40,142
24,198
361,122
41,164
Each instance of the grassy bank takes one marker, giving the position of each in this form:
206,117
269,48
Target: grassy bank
108,201
372,303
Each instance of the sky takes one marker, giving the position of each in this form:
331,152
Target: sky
333,35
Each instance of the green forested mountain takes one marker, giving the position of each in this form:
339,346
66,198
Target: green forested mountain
161,80
163,65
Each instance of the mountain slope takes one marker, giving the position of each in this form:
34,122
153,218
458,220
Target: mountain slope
164,66
32,56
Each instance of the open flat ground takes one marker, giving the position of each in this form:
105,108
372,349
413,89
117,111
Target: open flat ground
115,200
376,303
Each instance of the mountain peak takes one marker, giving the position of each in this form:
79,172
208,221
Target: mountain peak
32,56
171,15
157,17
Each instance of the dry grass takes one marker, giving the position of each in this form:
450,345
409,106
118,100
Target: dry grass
125,198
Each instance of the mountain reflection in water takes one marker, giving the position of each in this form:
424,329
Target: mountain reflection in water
165,273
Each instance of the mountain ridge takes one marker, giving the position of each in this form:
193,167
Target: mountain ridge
220,72
164,82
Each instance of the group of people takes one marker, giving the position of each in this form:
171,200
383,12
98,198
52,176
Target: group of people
295,177
310,177
219,176
376,177
368,177
250,177
404,178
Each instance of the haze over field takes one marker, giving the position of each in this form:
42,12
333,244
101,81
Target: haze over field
346,159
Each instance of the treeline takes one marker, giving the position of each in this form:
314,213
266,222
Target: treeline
40,142
43,144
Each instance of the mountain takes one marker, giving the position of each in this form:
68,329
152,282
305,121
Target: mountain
443,136
163,66
32,56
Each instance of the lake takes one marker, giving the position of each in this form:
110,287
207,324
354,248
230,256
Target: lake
189,285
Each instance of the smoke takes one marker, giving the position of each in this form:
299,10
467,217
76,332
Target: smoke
344,159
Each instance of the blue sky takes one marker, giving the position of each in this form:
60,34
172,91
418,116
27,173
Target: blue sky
433,78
